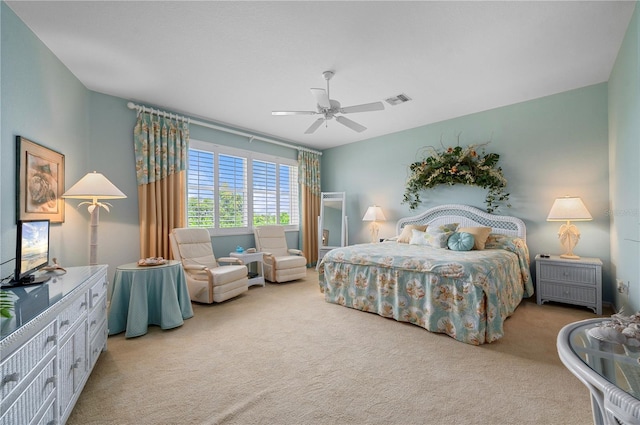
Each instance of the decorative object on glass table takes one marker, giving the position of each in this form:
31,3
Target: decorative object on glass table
619,330
239,249
152,261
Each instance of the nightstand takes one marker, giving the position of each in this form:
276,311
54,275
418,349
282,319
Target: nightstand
570,281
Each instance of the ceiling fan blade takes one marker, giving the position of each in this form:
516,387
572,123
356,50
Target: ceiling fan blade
293,112
317,123
351,124
322,98
366,107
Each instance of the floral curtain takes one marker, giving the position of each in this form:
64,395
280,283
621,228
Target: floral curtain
309,177
161,144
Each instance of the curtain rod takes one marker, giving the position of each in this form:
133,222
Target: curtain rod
141,108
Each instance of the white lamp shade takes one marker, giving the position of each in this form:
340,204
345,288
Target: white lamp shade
569,208
374,213
94,186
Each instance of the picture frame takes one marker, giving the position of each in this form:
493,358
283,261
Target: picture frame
40,182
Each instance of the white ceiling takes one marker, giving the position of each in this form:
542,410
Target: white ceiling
233,62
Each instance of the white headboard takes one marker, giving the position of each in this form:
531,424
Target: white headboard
467,217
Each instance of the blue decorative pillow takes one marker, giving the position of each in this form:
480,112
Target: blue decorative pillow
461,241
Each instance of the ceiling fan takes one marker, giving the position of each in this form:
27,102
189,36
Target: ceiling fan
328,108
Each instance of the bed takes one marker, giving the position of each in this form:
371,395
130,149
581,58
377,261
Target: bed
464,294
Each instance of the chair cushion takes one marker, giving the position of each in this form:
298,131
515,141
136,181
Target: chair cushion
286,275
195,247
291,262
222,292
271,239
223,275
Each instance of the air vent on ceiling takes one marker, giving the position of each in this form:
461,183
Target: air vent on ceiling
396,100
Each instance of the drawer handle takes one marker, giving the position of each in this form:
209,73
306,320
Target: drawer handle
83,305
51,422
76,364
96,295
50,380
93,323
64,323
51,338
12,377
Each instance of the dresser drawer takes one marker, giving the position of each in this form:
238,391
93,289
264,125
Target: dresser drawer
96,292
49,416
574,274
25,408
16,367
98,343
97,315
574,294
70,316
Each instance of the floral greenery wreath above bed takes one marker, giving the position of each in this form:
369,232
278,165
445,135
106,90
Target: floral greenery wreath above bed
455,165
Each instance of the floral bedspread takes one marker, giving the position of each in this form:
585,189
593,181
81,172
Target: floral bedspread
466,295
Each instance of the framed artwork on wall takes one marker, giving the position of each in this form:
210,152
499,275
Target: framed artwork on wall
40,182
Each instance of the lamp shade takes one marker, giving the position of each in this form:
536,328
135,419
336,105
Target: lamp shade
569,208
374,213
94,186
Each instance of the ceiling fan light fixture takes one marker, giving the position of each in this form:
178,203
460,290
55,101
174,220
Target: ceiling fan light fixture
328,75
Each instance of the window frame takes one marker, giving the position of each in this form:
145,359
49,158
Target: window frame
217,149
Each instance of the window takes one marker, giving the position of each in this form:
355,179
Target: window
230,191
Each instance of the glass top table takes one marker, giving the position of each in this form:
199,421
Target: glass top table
603,366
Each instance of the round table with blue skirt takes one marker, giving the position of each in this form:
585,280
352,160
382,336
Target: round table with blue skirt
148,295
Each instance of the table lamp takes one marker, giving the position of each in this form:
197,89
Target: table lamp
374,214
94,186
569,208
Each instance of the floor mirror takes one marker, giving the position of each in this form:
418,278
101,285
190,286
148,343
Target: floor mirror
332,223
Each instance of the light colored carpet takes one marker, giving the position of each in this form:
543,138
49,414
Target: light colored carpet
282,355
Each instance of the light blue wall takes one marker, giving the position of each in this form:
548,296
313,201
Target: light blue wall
111,141
549,147
624,175
42,101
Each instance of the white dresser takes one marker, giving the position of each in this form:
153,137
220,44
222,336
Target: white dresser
49,347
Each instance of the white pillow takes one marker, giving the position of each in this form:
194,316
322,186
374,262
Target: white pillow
417,238
406,235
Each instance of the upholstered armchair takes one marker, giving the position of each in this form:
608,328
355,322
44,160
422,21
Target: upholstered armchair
207,281
281,264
